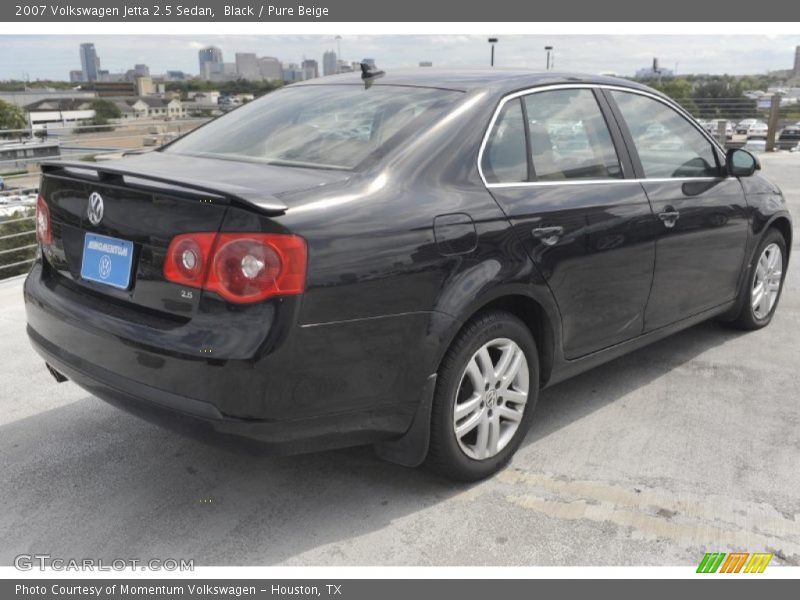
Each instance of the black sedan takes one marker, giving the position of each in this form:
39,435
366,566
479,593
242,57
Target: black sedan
401,259
789,138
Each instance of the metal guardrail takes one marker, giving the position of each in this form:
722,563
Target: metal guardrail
25,246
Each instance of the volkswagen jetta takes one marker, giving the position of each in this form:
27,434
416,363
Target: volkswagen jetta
401,259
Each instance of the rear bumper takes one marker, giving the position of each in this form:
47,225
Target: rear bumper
326,386
202,421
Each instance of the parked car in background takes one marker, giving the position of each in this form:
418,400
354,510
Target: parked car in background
401,259
789,137
757,130
713,125
743,126
707,125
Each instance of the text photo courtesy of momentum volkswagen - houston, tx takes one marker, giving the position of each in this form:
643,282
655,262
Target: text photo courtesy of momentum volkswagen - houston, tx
293,300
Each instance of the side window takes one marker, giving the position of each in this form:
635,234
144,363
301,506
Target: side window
504,157
569,137
667,144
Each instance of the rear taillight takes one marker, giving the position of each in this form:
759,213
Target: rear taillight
187,258
240,267
44,226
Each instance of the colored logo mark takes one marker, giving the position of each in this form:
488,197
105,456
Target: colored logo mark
735,562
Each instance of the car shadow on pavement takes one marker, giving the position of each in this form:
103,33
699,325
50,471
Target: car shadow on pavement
87,480
573,399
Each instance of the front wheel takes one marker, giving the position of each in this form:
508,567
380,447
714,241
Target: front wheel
487,388
764,283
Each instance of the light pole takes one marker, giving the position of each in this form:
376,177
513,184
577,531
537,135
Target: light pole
492,41
549,50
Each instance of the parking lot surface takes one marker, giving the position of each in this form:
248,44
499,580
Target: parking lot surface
690,445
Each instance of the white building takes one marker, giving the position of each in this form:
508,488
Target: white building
60,113
149,107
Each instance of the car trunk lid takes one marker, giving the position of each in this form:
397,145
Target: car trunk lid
146,201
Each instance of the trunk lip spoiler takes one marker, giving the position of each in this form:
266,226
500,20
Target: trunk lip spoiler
265,203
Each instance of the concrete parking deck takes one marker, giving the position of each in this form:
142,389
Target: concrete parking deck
688,446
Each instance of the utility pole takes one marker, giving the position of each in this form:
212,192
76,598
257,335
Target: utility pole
772,124
492,41
549,63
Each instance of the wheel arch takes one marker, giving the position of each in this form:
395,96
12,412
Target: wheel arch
541,321
784,226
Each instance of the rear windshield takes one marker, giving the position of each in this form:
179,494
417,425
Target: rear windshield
322,126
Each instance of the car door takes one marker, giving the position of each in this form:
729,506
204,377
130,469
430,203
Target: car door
563,178
702,216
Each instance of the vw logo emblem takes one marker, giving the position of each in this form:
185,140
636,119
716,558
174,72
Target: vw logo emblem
95,209
105,266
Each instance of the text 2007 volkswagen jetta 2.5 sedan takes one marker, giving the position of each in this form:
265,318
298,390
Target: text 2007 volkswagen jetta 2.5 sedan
401,259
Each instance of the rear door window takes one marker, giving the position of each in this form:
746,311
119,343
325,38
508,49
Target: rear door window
569,137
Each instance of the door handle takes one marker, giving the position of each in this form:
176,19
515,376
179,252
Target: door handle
548,235
669,217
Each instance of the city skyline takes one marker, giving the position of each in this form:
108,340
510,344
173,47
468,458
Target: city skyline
53,57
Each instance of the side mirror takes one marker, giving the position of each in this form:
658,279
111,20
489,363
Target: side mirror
741,163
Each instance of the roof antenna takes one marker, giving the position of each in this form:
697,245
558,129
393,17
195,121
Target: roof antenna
370,73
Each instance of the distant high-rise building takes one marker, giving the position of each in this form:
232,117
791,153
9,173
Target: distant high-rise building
247,66
144,86
311,68
270,67
75,76
329,63
369,61
293,72
425,63
797,61
342,66
90,64
175,76
210,60
141,70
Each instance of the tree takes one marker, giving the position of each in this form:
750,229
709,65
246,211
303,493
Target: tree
239,86
680,90
12,117
103,111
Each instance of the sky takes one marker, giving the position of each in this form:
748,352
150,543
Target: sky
53,56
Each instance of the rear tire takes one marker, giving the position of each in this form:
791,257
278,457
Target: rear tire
486,390
764,283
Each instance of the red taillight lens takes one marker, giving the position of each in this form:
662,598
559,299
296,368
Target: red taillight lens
44,226
240,267
188,257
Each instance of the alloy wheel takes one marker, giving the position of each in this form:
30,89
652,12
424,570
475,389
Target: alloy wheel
767,281
491,398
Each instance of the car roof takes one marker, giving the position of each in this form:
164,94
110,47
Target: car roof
465,80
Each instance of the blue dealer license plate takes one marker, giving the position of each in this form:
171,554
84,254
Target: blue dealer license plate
107,260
